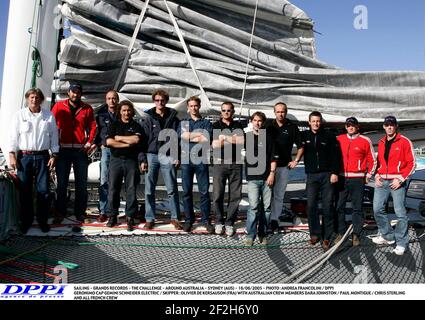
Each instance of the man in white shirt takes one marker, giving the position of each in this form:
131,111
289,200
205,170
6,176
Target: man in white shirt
34,147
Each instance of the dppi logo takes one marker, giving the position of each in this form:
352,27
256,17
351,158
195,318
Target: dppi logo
33,291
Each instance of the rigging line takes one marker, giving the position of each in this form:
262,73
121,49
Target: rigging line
130,47
248,58
30,31
186,51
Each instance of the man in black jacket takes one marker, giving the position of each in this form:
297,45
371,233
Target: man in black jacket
160,128
322,161
285,134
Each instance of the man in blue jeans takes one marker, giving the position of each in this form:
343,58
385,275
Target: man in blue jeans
161,154
195,134
34,149
396,162
260,174
104,117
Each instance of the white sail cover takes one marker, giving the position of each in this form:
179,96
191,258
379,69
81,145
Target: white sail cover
282,64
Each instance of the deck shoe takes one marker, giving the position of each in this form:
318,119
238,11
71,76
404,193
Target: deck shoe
102,218
149,225
112,222
177,225
381,240
130,224
313,240
209,227
187,227
274,226
326,245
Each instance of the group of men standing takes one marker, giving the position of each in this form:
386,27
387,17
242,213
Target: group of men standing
334,165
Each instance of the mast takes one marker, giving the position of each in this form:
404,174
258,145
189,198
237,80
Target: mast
31,24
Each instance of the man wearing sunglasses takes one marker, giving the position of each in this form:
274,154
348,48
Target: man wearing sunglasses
154,159
228,141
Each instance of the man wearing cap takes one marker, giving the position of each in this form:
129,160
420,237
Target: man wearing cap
357,167
77,130
396,162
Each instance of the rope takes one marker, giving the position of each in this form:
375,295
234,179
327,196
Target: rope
186,51
37,67
130,47
315,264
248,58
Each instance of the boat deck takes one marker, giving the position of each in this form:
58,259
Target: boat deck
162,257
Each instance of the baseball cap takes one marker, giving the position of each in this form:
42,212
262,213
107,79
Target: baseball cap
390,120
75,86
352,120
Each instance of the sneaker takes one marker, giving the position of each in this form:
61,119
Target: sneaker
130,224
102,218
149,225
187,227
112,222
248,242
177,225
219,229
44,227
338,238
399,250
356,240
209,227
380,240
230,231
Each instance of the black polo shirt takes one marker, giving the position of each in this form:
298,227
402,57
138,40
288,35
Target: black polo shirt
119,128
284,137
229,151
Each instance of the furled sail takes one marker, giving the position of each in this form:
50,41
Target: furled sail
282,65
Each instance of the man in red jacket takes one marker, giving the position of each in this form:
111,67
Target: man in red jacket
77,130
358,166
396,162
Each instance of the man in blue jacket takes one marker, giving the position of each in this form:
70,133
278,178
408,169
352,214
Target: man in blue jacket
104,117
161,153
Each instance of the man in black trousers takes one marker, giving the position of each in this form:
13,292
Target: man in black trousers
322,161
124,136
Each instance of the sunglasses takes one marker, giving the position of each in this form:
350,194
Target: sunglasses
159,100
228,110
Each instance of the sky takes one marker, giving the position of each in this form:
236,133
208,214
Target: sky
393,40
